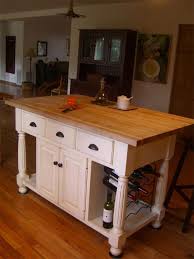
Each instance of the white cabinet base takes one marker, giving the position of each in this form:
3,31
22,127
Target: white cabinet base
74,183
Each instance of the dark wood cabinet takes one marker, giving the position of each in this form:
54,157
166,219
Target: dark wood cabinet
50,72
109,53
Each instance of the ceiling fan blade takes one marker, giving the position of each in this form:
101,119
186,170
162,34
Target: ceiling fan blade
82,16
75,15
70,13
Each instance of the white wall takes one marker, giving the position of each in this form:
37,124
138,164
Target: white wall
148,16
12,29
53,29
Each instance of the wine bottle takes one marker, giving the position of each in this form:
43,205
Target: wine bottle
108,211
101,97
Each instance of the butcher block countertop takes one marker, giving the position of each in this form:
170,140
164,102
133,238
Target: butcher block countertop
134,127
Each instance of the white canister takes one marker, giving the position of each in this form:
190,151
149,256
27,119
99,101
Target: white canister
123,102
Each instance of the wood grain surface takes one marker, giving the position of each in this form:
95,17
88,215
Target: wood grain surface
31,227
134,127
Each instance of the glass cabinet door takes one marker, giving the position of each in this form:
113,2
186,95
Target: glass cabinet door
115,50
94,48
99,49
86,49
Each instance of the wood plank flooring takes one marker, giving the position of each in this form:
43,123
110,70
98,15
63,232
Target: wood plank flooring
31,227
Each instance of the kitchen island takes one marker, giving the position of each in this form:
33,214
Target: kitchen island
73,147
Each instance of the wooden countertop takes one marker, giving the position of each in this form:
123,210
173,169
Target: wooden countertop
134,127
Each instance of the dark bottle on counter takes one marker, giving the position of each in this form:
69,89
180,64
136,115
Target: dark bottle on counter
108,211
101,97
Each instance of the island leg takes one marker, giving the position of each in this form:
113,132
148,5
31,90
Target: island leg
161,194
117,238
21,176
161,187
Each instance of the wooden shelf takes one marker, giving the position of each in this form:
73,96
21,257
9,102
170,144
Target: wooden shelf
133,222
97,225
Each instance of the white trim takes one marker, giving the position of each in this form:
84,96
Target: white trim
28,14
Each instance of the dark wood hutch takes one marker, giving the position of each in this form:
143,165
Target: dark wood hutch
108,53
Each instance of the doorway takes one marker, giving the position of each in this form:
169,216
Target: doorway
10,54
182,98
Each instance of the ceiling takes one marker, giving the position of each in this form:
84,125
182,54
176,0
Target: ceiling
10,6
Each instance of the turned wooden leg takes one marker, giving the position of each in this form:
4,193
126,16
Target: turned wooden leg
21,163
117,238
161,188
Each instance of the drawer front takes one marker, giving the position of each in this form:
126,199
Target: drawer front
33,124
95,146
61,134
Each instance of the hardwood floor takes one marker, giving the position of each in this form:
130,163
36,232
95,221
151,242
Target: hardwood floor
31,227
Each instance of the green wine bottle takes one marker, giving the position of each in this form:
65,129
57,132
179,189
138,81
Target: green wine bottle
108,211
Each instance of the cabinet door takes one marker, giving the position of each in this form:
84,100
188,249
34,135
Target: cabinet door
47,170
92,47
72,183
116,42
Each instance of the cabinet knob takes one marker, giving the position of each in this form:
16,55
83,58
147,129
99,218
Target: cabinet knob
60,165
60,134
55,163
33,124
93,147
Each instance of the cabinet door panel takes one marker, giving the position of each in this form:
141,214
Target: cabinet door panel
115,53
116,43
99,49
72,184
93,47
47,172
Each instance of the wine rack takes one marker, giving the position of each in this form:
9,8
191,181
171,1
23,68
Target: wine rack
139,202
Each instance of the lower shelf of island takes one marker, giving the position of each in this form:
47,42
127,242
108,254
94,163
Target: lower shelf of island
132,224
134,221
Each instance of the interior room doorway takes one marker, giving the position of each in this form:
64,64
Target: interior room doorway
10,54
182,98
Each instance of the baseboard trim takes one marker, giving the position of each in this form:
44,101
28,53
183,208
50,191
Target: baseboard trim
8,83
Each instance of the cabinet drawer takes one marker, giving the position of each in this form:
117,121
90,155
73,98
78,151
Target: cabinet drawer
33,124
95,146
60,133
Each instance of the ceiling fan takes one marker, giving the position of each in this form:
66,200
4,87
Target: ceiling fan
70,13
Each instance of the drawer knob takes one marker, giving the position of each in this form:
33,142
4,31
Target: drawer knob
60,165
93,147
55,163
33,124
60,134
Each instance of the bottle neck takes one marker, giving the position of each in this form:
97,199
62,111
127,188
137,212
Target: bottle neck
109,196
102,84
102,87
